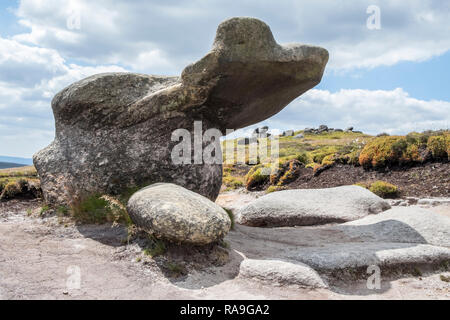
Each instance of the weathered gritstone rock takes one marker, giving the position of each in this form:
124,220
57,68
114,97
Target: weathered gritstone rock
288,133
174,213
387,255
433,201
399,240
113,131
310,207
400,224
281,272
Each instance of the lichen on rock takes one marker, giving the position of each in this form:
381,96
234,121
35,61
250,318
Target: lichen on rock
176,214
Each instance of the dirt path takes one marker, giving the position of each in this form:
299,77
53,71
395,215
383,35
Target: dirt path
43,259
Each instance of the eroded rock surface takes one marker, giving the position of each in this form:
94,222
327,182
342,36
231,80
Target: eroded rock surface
174,213
113,131
37,251
304,207
281,272
400,224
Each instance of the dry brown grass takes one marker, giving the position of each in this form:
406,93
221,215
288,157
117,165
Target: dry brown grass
26,171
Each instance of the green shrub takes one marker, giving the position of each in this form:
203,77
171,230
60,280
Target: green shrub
328,160
156,247
44,209
303,158
175,269
256,177
232,182
231,216
362,184
351,158
398,147
62,211
274,189
311,165
382,151
289,172
12,187
380,188
423,139
319,154
411,138
384,189
11,190
438,146
23,185
97,209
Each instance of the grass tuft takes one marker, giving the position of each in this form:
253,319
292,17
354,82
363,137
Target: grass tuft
156,247
444,278
97,209
382,189
175,269
231,216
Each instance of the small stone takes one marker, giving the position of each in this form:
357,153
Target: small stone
288,133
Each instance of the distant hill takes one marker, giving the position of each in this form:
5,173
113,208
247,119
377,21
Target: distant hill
15,160
7,165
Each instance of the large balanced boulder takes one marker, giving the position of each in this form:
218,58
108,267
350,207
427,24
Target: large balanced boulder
311,207
114,130
176,214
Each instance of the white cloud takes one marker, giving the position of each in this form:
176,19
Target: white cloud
163,37
29,78
180,32
26,65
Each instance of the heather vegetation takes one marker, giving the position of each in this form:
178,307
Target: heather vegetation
19,182
319,152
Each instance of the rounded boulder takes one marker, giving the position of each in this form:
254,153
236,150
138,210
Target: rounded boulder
174,213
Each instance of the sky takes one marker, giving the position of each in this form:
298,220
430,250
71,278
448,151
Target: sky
388,69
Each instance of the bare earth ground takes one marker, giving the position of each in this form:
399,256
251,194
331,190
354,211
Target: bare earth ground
430,179
40,257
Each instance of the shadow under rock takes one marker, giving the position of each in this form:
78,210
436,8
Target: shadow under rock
186,266
108,234
202,266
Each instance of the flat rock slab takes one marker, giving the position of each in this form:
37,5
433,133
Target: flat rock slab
311,207
401,224
382,254
399,240
281,272
37,255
